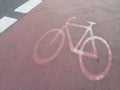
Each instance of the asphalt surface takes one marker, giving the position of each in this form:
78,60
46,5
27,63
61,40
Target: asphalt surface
7,8
18,71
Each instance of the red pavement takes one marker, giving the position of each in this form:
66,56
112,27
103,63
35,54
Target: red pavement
18,71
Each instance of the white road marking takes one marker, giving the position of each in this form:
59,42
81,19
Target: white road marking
6,22
28,6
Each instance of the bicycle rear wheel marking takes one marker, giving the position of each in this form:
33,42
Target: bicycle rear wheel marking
36,57
91,76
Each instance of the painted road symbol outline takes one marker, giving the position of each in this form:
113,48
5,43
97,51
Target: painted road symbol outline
74,49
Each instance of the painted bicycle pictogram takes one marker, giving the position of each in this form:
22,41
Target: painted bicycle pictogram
75,49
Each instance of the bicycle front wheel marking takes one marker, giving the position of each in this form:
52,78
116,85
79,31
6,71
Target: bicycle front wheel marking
86,72
41,60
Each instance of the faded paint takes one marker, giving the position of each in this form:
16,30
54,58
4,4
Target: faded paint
74,49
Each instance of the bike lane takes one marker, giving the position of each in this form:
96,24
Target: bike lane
20,72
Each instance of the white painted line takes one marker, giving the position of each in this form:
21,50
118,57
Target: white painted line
28,6
6,22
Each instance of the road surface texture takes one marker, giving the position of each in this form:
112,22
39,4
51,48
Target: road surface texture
18,69
7,8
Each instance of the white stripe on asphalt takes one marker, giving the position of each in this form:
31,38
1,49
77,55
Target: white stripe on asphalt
6,22
28,6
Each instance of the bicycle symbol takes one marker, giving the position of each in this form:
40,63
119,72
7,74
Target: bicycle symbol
75,49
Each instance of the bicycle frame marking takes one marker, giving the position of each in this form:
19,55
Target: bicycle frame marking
75,49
